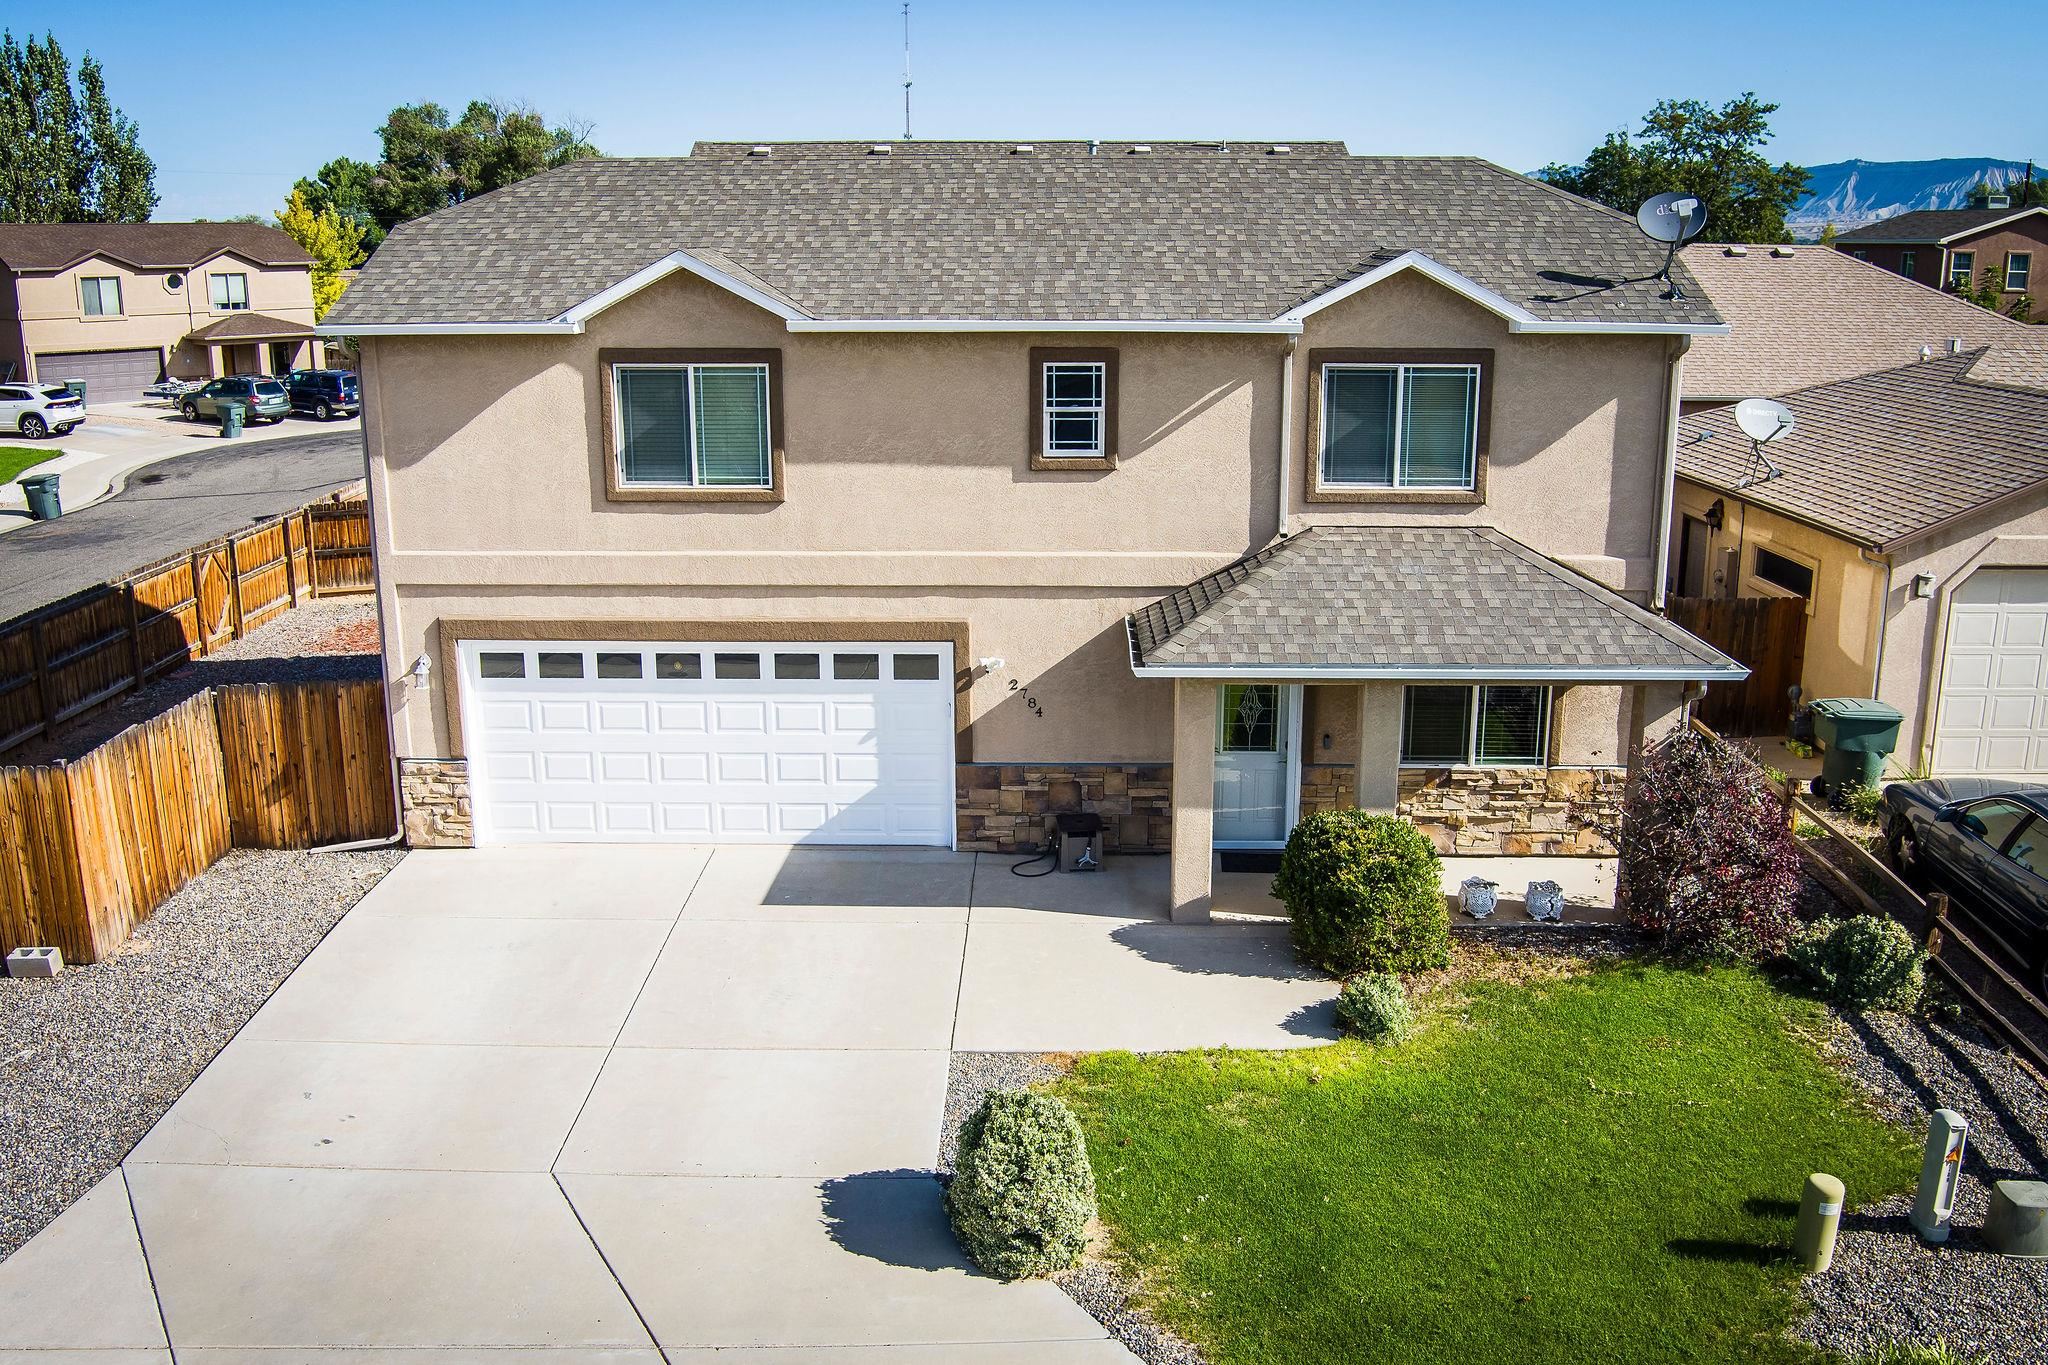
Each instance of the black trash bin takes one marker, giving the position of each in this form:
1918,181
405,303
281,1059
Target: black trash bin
42,497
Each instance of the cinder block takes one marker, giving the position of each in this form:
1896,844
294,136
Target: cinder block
35,962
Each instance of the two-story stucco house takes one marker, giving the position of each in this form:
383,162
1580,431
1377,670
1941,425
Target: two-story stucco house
122,305
915,493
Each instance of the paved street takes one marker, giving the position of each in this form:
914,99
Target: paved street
168,506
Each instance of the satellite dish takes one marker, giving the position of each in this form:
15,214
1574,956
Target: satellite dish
1764,419
1673,218
1676,217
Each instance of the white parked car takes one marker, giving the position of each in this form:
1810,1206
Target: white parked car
36,410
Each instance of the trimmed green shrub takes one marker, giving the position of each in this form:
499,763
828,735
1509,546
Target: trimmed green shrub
1863,963
1366,894
1022,1193
1375,1008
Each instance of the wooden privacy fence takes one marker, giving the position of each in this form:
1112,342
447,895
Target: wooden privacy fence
89,849
65,660
1768,634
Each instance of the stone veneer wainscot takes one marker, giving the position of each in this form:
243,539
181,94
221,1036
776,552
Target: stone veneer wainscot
1009,807
436,796
1515,811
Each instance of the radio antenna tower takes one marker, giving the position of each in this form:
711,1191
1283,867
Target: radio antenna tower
906,70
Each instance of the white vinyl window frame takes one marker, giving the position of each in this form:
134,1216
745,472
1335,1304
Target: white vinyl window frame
1053,409
1475,708
1401,372
92,296
2019,269
688,370
1962,268
227,291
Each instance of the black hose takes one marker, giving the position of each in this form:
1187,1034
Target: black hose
1051,853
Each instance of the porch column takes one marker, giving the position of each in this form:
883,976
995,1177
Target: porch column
1378,761
1194,799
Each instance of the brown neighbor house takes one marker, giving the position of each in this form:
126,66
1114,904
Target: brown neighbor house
123,305
1940,247
916,493
1908,508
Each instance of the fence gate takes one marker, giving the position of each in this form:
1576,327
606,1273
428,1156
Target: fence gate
1768,636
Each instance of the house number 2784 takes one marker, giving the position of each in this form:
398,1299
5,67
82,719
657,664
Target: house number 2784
1030,702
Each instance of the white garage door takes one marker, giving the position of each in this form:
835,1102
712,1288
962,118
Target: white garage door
595,741
1994,681
110,376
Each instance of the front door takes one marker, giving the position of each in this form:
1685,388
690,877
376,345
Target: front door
1254,729
1694,536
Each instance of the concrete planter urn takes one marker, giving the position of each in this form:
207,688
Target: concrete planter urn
1478,897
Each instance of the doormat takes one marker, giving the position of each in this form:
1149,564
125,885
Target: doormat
1250,859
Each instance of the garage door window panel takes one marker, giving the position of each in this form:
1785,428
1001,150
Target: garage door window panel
501,665
680,667
856,667
917,668
736,666
618,666
796,667
561,665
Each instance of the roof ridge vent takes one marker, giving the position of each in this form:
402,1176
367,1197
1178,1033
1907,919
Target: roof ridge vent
758,149
1022,149
878,149
1140,148
1782,252
1279,149
1735,251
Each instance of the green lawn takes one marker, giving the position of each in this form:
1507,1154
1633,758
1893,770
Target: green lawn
15,459
1603,1167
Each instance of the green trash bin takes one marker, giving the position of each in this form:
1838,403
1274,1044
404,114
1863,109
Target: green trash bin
1856,735
231,419
77,387
42,497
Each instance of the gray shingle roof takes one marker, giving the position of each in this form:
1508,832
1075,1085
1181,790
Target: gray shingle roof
1927,225
162,246
1883,457
1415,601
971,231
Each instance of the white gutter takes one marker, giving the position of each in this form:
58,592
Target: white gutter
1281,519
1667,495
447,329
1275,328
1440,673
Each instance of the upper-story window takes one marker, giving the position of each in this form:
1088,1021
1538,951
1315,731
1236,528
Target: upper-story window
1859,253
230,291
1909,263
1962,268
691,426
2018,266
1400,426
99,296
1073,407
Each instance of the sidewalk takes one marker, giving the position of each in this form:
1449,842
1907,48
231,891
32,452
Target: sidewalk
95,460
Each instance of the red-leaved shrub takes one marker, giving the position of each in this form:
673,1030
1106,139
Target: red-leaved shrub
1707,857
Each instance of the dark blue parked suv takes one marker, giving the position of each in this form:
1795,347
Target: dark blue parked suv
325,393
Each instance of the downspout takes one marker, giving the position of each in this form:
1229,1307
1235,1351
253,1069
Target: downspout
1667,494
1884,620
1280,516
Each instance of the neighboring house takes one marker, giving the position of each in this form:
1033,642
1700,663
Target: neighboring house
1909,504
1939,247
916,493
123,305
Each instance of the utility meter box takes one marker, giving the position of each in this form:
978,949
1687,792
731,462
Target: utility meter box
1080,841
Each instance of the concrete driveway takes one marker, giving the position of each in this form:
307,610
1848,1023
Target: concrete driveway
554,1104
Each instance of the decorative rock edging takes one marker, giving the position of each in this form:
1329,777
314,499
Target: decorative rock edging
435,794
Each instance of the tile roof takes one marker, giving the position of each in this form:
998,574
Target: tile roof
149,246
1816,315
1931,225
1883,458
971,231
250,327
1410,601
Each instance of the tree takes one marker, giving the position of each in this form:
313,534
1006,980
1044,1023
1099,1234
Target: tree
1828,233
67,154
343,186
335,243
1690,145
1988,291
432,161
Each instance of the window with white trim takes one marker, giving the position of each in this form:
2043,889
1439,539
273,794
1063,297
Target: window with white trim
691,426
230,292
1909,263
1400,426
1074,408
99,296
2019,266
1489,725
1962,268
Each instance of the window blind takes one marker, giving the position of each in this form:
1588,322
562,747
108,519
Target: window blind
1511,724
732,425
1436,421
654,426
1358,446
1436,724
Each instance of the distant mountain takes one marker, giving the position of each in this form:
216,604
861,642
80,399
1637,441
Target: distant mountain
1852,193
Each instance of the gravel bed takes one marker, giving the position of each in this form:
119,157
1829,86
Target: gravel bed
1886,1285
972,1077
89,1060
292,648
1096,1288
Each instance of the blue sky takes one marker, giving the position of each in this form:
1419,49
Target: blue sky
1520,83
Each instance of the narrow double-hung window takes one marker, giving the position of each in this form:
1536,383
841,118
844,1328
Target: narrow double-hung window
230,292
691,426
1400,426
1074,409
100,296
1962,268
2019,267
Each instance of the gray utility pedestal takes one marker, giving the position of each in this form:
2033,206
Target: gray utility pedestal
2017,1224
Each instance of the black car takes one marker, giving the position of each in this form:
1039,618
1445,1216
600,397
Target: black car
325,393
1985,842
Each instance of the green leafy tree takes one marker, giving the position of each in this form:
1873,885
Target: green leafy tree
342,186
1828,233
335,243
432,161
1988,291
67,154
1690,145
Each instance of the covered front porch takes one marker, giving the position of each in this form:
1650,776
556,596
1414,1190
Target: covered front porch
1446,674
257,344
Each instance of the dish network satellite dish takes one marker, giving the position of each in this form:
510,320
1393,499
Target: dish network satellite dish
1763,420
1674,219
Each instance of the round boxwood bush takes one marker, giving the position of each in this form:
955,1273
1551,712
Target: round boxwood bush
1366,894
1863,963
1374,1007
1022,1193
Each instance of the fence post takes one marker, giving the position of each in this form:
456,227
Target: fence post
235,583
1937,902
135,634
46,686
198,603
312,557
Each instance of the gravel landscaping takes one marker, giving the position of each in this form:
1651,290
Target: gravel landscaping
89,1060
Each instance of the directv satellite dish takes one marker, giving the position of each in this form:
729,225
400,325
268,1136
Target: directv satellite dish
1762,420
1673,218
